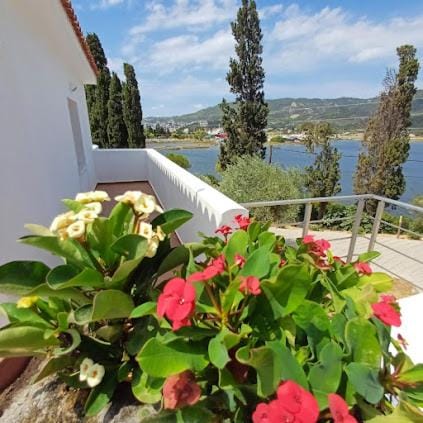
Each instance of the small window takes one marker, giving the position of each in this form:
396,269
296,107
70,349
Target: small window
77,136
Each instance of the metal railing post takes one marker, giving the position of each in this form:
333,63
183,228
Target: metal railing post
355,229
307,218
376,224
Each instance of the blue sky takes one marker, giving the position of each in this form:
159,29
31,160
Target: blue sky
312,48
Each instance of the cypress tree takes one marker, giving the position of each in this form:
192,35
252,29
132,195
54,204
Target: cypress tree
386,142
245,121
132,111
98,95
322,178
116,128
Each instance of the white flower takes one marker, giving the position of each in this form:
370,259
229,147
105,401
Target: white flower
146,204
84,368
76,230
95,375
146,230
152,247
96,207
62,221
160,234
92,196
159,209
129,197
87,216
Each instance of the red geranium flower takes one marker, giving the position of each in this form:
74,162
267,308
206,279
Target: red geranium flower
243,221
339,410
386,311
296,400
251,285
363,268
180,390
225,230
239,260
177,302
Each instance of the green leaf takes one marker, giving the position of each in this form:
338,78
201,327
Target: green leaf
254,230
146,309
218,353
289,290
69,249
380,281
23,340
310,316
101,395
67,276
237,244
162,360
82,315
267,366
76,340
171,220
369,256
111,304
100,239
44,291
54,365
258,263
178,256
110,333
362,340
413,375
325,376
20,277
23,315
73,205
38,230
145,388
365,381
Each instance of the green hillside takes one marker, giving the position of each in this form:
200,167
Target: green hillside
345,113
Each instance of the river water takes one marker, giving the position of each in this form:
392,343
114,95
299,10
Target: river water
203,161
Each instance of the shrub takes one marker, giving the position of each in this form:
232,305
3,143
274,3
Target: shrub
211,180
246,329
179,159
252,179
277,139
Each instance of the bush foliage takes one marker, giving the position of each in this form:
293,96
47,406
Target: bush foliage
179,159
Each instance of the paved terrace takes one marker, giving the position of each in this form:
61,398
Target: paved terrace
402,258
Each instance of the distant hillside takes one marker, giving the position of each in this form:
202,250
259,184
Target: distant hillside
344,113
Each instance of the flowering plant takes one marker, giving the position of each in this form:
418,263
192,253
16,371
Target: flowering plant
247,328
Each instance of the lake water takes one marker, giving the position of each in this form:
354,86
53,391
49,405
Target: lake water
203,161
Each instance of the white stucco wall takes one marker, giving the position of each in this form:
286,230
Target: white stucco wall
41,66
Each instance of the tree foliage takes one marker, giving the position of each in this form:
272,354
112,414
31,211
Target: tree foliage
116,128
322,177
386,140
180,160
245,121
98,96
132,111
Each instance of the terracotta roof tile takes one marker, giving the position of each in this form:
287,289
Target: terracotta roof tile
73,19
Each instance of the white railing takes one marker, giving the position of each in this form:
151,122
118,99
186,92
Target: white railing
173,186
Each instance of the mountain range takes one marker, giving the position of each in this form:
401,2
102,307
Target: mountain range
345,113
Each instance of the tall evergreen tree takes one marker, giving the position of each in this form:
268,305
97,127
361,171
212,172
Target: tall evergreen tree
116,128
245,121
132,111
98,95
386,141
322,178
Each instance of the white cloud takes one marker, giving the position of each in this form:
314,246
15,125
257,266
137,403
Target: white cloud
195,15
105,4
270,11
300,40
115,64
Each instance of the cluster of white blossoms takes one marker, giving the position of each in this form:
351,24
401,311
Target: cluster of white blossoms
91,372
144,205
73,225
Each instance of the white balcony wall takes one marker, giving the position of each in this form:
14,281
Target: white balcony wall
174,187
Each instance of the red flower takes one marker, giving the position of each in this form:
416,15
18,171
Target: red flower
251,285
282,263
239,260
308,239
296,400
177,302
293,404
180,390
216,267
243,221
339,410
317,247
219,263
386,310
363,268
225,230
